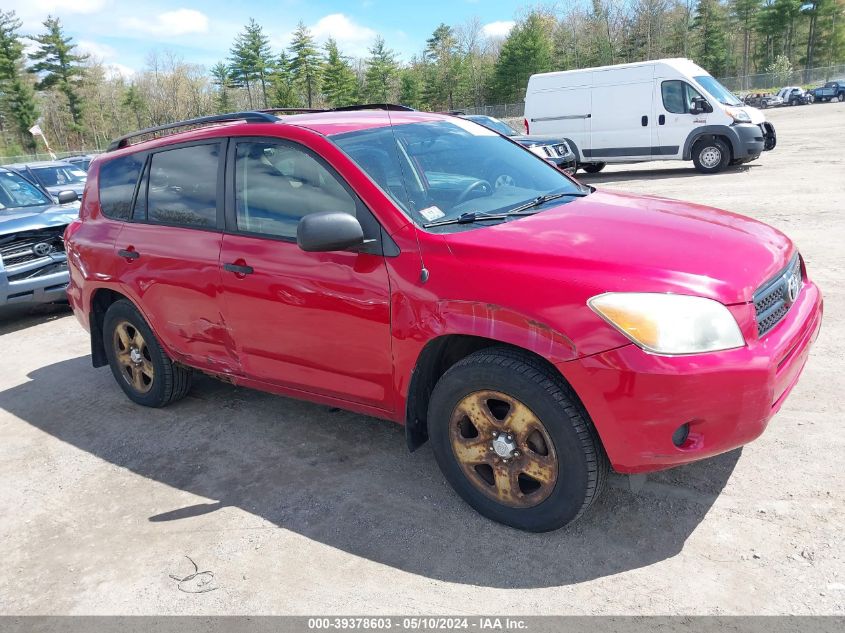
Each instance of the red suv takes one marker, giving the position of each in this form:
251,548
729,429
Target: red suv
538,331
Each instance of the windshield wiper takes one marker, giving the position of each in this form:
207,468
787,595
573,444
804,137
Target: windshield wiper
474,216
536,202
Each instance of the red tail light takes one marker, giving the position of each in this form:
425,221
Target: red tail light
525,123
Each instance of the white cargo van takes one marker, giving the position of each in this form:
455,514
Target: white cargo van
666,109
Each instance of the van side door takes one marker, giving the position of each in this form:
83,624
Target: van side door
675,122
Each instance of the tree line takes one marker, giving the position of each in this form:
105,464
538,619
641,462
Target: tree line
79,102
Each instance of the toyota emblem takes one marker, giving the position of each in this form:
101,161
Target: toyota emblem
792,288
42,249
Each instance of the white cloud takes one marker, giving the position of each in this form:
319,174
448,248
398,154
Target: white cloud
353,38
498,29
118,70
96,50
171,23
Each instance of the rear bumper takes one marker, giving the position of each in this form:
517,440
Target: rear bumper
43,281
638,400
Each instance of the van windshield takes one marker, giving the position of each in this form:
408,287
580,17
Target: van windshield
718,91
441,169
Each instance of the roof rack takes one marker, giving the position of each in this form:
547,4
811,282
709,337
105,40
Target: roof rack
249,117
292,110
374,106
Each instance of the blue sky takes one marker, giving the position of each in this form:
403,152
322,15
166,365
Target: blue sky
122,33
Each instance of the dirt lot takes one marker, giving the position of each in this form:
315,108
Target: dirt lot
299,509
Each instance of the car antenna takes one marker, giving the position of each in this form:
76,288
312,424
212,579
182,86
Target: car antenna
424,274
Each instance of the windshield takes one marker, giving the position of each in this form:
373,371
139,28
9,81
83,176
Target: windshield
494,124
718,91
58,176
437,170
16,191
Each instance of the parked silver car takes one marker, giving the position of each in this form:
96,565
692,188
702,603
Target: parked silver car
33,264
54,176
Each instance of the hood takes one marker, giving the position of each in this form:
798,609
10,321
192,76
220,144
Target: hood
621,242
757,116
34,218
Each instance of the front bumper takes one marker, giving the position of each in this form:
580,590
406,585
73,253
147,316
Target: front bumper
41,281
565,163
638,400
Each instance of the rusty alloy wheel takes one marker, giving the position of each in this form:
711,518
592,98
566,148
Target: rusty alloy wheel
133,356
503,449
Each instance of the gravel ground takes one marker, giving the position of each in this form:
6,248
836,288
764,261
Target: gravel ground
297,509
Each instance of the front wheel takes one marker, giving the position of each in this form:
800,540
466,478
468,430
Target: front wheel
513,443
593,168
138,363
711,156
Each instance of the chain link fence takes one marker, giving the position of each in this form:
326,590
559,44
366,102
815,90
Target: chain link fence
759,82
31,158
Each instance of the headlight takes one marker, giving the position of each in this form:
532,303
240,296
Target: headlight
538,149
669,324
739,115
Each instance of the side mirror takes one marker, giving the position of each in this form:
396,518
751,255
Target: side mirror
321,232
66,197
700,106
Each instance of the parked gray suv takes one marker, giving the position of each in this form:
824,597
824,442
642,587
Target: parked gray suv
33,264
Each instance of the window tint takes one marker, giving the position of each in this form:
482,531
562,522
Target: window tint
277,184
117,185
678,96
183,186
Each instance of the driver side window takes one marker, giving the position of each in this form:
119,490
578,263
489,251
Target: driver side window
678,96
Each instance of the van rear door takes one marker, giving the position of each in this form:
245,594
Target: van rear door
622,125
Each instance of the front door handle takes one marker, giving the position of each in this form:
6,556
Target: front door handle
644,121
129,254
661,119
238,269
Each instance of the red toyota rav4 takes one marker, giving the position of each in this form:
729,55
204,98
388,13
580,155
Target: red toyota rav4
536,330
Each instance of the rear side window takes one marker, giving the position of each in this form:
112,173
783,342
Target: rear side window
183,186
117,179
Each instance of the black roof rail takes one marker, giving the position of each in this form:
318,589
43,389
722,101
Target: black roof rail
393,107
249,117
292,110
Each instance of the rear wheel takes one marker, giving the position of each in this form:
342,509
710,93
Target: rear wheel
711,156
138,363
593,168
510,439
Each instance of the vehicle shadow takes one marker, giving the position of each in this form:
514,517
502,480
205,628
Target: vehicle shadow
688,171
14,318
348,481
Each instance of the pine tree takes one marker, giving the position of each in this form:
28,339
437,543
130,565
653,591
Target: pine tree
17,98
382,69
134,101
251,60
744,13
222,79
57,66
528,49
339,85
710,47
442,54
409,88
284,93
305,65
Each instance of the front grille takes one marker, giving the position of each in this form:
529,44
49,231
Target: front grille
21,248
547,150
773,300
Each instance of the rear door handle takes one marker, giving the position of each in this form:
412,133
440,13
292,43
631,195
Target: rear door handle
645,120
127,254
238,269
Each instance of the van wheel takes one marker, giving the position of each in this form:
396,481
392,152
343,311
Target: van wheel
510,439
593,168
711,156
138,363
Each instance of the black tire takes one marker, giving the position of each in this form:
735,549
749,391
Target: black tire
593,168
581,464
711,156
170,382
